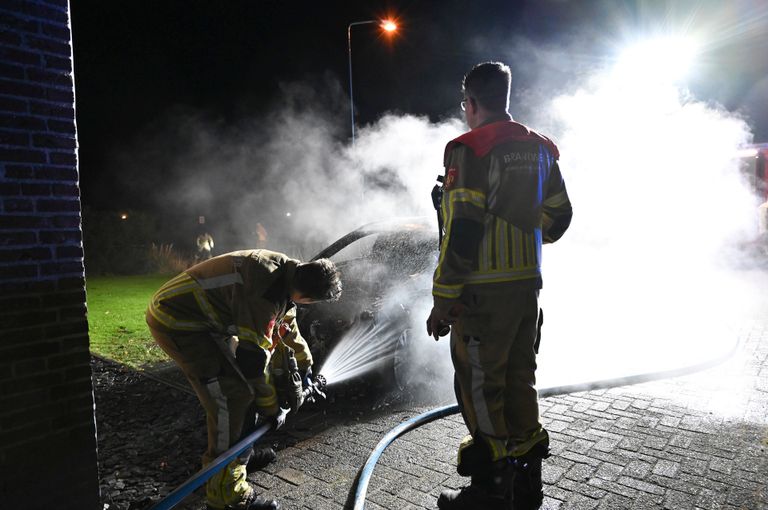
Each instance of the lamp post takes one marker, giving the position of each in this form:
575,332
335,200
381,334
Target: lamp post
387,26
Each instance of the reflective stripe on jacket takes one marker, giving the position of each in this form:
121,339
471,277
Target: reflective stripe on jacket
243,293
503,197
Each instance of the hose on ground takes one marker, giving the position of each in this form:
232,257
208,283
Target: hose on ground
202,476
361,486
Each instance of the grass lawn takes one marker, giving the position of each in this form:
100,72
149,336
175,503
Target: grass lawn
116,306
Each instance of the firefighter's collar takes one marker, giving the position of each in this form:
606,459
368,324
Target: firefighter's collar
495,118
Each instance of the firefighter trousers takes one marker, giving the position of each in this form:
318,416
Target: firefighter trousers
223,393
493,348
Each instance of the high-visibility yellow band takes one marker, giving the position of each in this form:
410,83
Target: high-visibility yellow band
169,291
522,448
447,291
472,196
171,322
498,447
250,335
502,276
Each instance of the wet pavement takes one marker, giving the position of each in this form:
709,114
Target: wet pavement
693,442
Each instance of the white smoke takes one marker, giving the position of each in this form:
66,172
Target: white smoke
331,188
647,278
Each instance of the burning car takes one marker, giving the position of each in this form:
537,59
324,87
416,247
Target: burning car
378,324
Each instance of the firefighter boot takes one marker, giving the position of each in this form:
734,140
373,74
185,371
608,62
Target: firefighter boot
261,456
527,487
229,490
489,490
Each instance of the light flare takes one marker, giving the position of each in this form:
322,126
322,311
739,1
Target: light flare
664,59
388,25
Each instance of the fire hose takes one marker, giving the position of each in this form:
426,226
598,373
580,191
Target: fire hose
315,390
361,485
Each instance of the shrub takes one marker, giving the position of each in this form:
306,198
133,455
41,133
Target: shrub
163,259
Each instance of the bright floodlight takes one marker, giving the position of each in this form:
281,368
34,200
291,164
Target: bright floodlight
388,25
666,59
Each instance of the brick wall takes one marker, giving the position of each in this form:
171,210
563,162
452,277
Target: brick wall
47,429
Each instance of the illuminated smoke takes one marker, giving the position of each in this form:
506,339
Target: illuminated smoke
650,275
332,188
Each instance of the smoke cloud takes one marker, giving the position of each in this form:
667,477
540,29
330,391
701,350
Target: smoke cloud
651,274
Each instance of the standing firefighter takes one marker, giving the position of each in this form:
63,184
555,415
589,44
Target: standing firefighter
204,246
503,196
220,321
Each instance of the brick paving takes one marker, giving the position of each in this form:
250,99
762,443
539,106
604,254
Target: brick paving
693,442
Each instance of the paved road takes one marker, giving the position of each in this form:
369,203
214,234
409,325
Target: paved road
693,442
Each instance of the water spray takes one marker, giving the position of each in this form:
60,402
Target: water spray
365,347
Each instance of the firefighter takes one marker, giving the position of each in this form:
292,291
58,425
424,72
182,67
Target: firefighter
220,321
204,246
503,196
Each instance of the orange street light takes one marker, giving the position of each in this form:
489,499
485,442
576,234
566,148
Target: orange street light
388,26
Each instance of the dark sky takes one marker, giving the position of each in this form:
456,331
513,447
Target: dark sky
138,60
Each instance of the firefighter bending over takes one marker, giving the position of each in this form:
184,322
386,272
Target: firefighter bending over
221,320
503,196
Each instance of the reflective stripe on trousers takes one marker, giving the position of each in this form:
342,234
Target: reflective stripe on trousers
222,415
478,383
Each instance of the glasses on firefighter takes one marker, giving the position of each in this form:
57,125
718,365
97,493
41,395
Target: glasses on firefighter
463,104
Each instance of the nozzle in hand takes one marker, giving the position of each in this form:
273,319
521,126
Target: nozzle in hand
441,329
439,324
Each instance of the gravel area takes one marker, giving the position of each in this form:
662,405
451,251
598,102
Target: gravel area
150,436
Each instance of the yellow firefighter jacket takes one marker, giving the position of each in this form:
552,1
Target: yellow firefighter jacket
244,294
503,195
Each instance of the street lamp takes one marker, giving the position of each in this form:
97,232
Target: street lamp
388,26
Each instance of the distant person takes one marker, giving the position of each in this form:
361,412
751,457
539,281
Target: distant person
204,246
261,236
503,196
220,321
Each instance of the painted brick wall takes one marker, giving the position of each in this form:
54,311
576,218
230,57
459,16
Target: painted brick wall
47,429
